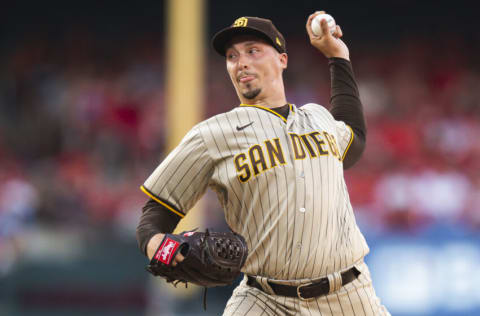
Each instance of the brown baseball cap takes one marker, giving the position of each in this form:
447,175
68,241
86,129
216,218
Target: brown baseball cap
263,28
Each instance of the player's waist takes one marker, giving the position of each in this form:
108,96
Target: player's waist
305,290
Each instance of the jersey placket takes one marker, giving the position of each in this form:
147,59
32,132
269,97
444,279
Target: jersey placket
299,209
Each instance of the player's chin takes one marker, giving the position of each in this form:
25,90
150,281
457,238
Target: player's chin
251,93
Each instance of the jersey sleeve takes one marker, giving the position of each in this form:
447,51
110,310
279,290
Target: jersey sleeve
345,137
344,133
183,177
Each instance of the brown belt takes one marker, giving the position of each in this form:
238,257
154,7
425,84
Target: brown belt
308,290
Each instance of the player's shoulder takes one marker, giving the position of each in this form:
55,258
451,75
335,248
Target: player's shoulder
312,108
217,120
217,125
315,109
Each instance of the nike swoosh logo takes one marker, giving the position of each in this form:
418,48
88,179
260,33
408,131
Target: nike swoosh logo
239,128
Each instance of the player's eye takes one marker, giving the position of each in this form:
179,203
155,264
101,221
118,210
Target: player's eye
231,56
253,50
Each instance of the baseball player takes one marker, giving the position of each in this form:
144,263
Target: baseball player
277,169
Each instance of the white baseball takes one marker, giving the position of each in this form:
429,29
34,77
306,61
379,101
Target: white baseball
317,28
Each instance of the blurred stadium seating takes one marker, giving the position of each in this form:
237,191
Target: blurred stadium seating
82,125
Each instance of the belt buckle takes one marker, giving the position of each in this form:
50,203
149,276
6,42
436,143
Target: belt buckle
298,291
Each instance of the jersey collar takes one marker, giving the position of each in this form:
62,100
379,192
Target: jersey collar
292,111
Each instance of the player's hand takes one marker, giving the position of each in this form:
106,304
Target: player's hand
178,258
329,44
153,246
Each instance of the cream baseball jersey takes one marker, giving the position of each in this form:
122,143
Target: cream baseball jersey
280,183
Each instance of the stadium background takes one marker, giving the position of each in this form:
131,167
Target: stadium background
83,123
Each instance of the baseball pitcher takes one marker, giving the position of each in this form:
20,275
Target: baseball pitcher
277,169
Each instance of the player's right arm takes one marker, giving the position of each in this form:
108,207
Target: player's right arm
346,107
345,101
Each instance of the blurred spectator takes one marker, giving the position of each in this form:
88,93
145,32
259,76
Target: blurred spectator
18,203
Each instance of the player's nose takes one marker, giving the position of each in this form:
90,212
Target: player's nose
242,62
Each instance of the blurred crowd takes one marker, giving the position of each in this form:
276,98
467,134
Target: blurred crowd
82,124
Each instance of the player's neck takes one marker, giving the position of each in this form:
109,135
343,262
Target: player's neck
269,99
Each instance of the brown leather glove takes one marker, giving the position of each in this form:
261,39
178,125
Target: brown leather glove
211,258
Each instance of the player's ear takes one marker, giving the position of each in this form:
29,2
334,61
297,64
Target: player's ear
283,57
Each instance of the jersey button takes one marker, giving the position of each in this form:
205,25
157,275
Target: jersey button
302,174
302,209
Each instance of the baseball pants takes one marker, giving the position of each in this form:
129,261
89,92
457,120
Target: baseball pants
356,298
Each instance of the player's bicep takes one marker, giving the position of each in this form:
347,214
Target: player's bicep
182,178
351,144
354,151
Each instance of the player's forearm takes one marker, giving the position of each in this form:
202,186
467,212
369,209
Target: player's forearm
347,107
154,222
344,99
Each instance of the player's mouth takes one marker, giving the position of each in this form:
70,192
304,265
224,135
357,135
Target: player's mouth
245,78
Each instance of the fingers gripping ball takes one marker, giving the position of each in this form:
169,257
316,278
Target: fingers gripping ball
211,258
317,28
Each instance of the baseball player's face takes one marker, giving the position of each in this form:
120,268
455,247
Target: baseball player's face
255,67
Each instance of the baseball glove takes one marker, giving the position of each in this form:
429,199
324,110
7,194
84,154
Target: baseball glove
211,258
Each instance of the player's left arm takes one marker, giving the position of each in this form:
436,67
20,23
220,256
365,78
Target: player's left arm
345,101
174,187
